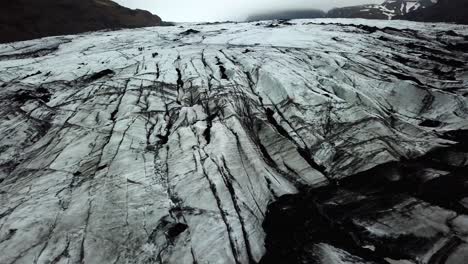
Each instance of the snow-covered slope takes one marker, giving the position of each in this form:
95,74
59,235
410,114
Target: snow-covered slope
452,11
389,9
402,7
165,145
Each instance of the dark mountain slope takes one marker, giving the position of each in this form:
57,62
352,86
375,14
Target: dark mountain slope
443,11
389,9
29,19
361,11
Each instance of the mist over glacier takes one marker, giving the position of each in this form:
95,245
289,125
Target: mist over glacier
216,10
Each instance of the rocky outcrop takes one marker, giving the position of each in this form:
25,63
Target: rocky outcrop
29,19
166,145
411,211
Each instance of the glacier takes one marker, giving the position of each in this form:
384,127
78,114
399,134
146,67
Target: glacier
170,144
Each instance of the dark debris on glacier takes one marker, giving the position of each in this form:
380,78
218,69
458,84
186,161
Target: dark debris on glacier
171,145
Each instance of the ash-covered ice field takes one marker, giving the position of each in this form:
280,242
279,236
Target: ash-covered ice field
168,144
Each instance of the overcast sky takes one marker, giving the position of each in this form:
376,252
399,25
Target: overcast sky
217,10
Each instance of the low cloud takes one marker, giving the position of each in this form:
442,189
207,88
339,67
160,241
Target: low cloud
218,10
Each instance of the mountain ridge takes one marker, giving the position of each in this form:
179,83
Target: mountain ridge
29,19
416,10
443,11
389,9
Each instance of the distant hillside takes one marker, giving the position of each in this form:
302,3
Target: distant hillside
29,19
389,9
287,14
361,11
417,10
443,11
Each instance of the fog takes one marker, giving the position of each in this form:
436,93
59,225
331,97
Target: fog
218,10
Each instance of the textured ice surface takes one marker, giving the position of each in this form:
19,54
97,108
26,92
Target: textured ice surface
165,145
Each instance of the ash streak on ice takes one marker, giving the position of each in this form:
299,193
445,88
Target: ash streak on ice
167,144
